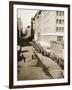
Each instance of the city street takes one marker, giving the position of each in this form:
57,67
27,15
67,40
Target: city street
41,45
37,67
29,70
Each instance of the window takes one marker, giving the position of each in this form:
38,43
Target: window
62,13
62,29
59,29
60,21
56,29
57,13
57,21
59,38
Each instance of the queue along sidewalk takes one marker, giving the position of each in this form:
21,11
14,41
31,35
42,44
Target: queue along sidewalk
49,66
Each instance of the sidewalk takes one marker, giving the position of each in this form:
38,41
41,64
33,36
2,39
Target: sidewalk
50,66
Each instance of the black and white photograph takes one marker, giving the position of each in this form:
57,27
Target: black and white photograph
40,53
40,44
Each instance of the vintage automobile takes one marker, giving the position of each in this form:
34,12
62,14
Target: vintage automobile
61,62
44,48
47,52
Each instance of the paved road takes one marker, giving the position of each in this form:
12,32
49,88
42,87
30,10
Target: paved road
30,70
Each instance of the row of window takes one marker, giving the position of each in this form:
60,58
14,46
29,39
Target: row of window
59,29
59,21
60,13
59,38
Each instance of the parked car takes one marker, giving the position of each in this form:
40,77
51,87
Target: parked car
61,62
47,51
45,48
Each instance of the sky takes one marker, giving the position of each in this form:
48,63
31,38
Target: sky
25,16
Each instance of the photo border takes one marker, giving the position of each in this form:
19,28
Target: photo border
11,33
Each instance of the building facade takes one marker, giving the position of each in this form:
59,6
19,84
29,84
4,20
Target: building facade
49,26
